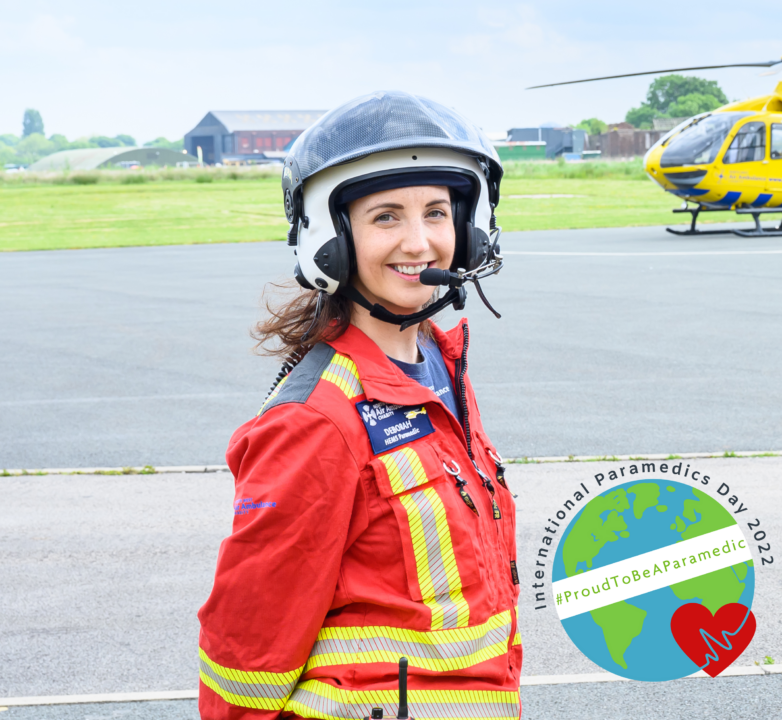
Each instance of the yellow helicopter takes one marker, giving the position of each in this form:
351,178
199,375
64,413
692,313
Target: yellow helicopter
723,160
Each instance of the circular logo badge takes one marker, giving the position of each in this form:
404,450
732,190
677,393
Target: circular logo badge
634,556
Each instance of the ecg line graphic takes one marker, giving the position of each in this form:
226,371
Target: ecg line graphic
725,634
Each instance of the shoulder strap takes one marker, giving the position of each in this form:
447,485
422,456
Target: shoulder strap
297,386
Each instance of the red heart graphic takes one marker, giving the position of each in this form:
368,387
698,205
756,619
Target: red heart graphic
713,640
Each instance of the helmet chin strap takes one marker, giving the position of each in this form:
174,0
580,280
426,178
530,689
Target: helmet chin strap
455,297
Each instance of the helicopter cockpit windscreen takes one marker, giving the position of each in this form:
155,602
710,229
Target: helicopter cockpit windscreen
749,145
699,143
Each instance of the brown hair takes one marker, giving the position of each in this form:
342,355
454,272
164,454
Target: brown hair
290,328
292,317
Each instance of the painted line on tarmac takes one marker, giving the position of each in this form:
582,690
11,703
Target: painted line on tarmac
143,470
643,254
650,456
203,469
526,680
100,698
610,677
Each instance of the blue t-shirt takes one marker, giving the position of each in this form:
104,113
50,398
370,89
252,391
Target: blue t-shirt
433,374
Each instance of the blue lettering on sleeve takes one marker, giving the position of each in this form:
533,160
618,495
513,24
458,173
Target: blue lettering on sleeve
243,506
389,426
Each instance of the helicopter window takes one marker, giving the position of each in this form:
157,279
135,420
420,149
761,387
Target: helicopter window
749,145
776,142
700,142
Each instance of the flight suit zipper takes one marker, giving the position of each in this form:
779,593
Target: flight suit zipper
461,371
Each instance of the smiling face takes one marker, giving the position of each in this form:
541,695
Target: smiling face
397,234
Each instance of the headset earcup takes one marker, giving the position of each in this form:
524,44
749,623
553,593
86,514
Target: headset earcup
460,215
333,259
478,244
347,232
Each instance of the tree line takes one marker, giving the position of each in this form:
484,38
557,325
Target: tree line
33,143
669,96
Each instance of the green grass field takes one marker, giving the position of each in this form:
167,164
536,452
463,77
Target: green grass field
57,215
54,217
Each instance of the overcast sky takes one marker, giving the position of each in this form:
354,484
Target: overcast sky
155,68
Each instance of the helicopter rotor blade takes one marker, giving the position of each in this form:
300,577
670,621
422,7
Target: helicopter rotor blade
768,64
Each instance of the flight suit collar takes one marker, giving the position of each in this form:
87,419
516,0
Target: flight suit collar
381,379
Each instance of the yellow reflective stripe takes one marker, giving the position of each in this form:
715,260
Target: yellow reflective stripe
404,470
438,575
317,699
254,689
516,639
273,394
438,650
343,373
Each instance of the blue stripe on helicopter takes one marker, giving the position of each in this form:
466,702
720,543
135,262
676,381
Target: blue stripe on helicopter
694,192
763,198
729,199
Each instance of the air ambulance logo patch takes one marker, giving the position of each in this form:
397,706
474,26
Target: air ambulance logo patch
389,426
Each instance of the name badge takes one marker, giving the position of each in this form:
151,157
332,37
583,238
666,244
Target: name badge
389,426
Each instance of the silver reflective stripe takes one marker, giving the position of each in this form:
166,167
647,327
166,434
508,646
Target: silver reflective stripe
450,610
321,707
344,374
333,708
464,710
405,470
432,540
438,651
245,689
435,560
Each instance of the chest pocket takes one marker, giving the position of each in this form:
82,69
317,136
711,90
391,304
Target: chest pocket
437,536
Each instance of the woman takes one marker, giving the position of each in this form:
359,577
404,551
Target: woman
372,520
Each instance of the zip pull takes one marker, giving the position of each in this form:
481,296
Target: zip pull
500,471
460,483
465,495
501,475
487,484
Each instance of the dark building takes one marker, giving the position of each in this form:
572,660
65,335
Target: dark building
624,142
247,136
558,140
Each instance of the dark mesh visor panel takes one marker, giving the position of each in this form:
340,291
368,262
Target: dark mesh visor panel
386,121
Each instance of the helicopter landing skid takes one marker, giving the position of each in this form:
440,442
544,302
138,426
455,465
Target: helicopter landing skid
759,230
695,212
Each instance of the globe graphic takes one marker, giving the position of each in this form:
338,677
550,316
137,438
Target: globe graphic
633,638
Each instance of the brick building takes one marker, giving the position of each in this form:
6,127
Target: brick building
247,136
623,142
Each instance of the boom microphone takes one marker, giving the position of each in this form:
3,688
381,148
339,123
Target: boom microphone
436,276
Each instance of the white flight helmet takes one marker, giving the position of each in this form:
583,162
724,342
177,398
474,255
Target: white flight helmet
384,141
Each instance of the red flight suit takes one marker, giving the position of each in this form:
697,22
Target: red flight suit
369,525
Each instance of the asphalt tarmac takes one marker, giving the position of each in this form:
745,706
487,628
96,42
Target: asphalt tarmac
175,710
103,576
612,342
